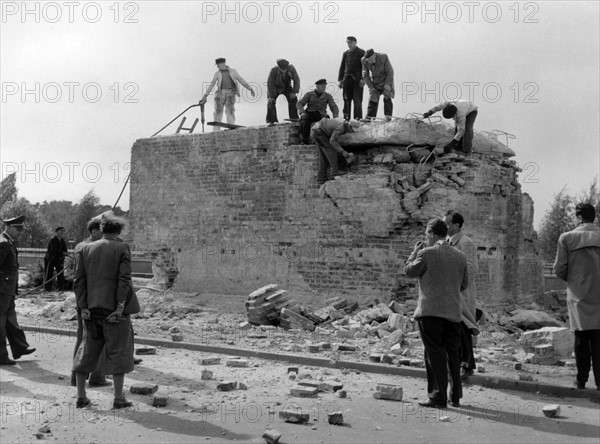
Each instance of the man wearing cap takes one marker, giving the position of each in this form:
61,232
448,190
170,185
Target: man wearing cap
227,81
464,114
350,78
326,134
578,263
55,259
9,281
313,107
378,74
442,273
283,79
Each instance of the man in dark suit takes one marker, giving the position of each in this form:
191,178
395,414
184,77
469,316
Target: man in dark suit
442,273
9,281
350,79
104,293
55,259
283,79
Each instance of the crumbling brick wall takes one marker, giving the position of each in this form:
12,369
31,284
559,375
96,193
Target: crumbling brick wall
231,211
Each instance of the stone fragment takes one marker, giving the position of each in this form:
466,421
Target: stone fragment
346,347
160,399
551,410
342,394
242,386
237,363
325,345
177,337
388,391
227,386
518,366
387,358
245,325
335,418
404,361
292,369
145,350
294,415
525,378
375,357
271,436
174,330
314,348
304,392
210,361
143,389
481,369
206,375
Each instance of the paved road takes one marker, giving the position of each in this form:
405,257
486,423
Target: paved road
36,394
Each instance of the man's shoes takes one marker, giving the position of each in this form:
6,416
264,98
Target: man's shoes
434,404
7,361
271,124
23,353
455,404
137,361
121,403
99,383
579,385
73,379
465,373
82,402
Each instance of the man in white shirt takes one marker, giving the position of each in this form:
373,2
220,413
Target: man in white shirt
464,114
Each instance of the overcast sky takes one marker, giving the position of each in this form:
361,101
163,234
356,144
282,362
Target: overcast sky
81,81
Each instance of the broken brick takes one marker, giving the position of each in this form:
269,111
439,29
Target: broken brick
304,392
551,410
237,363
177,337
145,350
210,361
271,436
160,400
143,389
294,415
227,386
335,418
206,374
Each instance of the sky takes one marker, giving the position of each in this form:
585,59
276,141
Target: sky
82,81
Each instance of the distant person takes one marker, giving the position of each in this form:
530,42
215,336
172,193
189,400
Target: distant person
313,107
105,296
9,281
464,114
326,134
578,263
55,260
283,80
468,325
378,74
442,273
97,377
350,79
227,81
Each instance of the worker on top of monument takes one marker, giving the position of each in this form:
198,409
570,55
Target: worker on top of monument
378,74
283,79
226,80
350,78
313,107
326,134
464,114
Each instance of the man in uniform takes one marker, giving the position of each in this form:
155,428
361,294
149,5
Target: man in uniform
464,114
55,259
350,78
227,81
326,134
378,74
9,281
283,79
578,263
313,107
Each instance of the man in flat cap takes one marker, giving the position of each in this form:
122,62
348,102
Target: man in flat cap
326,134
55,259
283,79
442,273
227,81
350,78
378,74
464,114
9,281
313,107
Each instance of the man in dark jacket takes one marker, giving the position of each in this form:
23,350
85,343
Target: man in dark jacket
283,79
442,273
313,107
104,294
350,79
55,259
326,135
9,281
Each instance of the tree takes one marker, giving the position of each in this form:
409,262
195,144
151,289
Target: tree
88,207
36,232
58,213
592,196
557,220
8,189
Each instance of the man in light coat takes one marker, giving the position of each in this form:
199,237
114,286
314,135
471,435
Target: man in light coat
442,273
227,81
468,327
378,74
578,263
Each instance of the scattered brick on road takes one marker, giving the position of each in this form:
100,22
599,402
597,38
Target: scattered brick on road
227,386
335,418
210,361
294,415
388,391
551,410
304,392
145,350
143,389
271,436
160,399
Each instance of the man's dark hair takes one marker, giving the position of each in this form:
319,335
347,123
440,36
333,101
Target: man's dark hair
93,224
351,38
438,227
449,111
456,218
586,211
111,224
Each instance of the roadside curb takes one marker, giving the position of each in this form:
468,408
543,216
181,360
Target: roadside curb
386,369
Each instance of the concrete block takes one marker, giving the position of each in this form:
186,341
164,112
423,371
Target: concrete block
177,337
143,389
245,325
551,410
560,337
206,375
294,415
210,361
160,399
227,386
342,394
237,363
375,357
145,350
335,418
388,391
387,358
304,392
271,436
